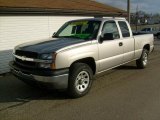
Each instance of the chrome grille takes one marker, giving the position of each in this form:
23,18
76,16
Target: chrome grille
28,54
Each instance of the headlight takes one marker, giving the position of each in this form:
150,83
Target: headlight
47,65
44,65
47,56
50,56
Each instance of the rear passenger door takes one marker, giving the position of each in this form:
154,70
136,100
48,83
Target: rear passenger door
128,41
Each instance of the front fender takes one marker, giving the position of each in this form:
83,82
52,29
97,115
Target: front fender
64,59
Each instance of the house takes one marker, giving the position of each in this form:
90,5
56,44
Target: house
27,20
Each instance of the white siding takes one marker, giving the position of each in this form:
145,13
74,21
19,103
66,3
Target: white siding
15,30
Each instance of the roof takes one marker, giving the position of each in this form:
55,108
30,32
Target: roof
101,19
84,7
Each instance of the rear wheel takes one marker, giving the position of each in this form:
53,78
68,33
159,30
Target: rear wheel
143,61
80,80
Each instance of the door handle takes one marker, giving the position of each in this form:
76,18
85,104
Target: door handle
121,44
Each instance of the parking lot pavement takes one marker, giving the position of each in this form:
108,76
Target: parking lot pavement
157,43
124,93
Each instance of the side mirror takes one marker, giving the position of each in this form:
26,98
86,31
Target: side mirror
53,34
106,36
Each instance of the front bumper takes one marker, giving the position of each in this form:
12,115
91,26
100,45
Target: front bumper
57,79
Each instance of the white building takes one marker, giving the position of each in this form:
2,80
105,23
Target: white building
27,20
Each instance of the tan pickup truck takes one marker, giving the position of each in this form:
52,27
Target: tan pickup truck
79,50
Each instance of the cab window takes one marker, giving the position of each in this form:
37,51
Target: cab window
124,29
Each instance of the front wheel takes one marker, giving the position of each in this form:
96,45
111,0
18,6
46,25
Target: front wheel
143,61
80,80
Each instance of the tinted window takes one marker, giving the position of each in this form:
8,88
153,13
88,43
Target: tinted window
144,29
148,29
124,28
82,29
111,27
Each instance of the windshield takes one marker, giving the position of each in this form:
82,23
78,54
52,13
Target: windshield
84,29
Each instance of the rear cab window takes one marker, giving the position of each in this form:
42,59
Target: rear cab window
124,29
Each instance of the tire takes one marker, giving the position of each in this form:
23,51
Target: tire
143,61
80,80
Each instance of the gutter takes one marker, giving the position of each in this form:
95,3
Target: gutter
38,11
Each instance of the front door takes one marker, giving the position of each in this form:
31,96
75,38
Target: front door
110,51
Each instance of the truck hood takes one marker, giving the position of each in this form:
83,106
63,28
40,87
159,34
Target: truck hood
49,45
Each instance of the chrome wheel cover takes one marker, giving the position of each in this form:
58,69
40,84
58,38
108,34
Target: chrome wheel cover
82,81
145,59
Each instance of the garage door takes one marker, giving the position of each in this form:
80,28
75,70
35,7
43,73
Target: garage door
15,30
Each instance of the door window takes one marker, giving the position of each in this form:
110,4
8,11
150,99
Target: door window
111,27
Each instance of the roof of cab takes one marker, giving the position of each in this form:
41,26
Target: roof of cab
101,19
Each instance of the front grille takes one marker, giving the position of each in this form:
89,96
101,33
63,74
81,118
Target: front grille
27,64
26,54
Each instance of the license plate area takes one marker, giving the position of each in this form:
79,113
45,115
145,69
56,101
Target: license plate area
21,74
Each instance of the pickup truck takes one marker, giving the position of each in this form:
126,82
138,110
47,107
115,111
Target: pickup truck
150,30
79,50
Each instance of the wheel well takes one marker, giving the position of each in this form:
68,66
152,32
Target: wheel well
147,46
89,61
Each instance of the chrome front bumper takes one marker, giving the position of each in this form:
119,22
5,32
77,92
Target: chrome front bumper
51,82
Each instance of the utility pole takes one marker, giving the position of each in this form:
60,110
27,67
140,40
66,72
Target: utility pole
137,17
129,10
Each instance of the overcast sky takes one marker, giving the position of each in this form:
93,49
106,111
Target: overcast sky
150,6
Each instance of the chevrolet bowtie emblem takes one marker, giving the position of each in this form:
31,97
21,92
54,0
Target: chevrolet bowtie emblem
23,58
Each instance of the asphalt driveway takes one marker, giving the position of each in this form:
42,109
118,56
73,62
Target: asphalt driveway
124,93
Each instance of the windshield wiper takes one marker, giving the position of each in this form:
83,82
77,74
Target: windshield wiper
55,36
